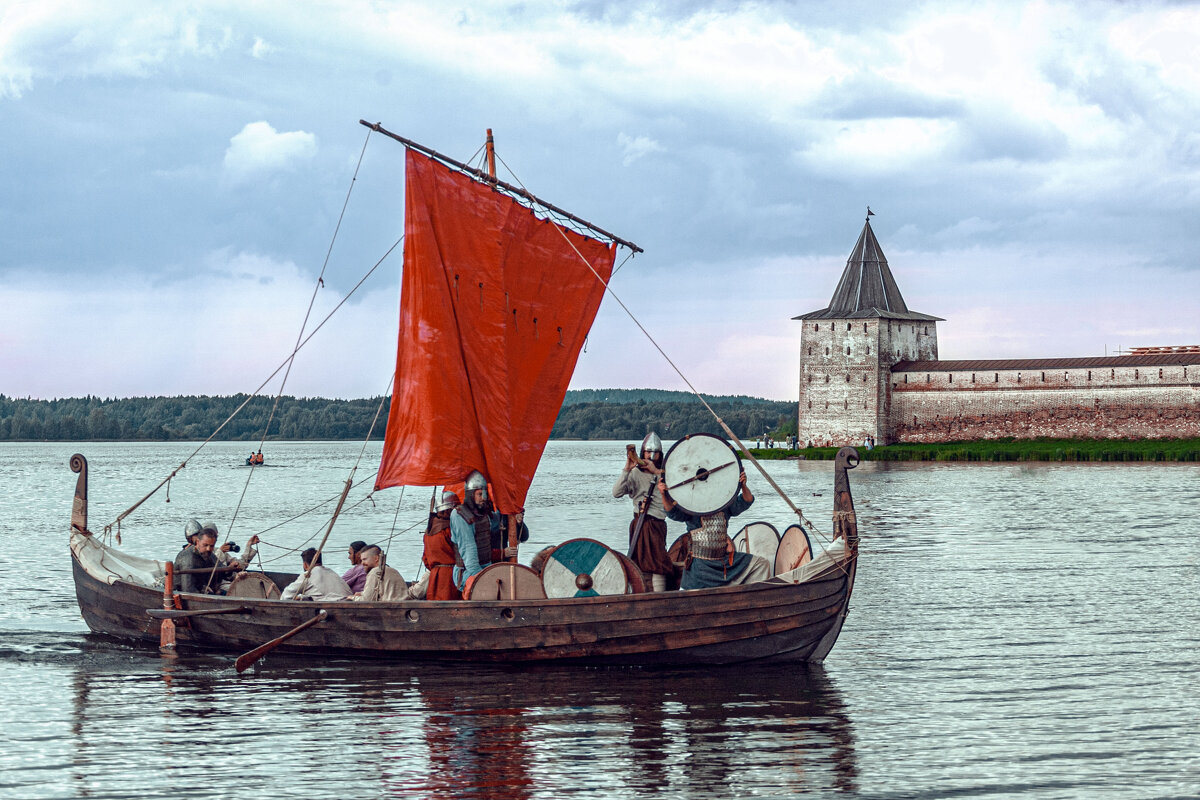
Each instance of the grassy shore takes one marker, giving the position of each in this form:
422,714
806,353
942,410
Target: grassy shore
1014,450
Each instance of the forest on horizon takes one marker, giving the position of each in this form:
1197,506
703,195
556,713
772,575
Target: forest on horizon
585,414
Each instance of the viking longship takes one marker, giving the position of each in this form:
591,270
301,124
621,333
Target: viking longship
498,292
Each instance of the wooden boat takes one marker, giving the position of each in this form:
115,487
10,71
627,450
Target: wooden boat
795,616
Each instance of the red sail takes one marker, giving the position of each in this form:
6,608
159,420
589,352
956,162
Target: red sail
494,308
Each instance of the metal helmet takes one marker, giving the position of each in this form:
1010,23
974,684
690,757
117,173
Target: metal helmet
476,480
191,529
652,443
211,526
449,500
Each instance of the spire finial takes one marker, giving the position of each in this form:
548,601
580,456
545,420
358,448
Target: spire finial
870,213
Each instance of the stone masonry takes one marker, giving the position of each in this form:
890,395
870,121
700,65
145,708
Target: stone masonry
869,367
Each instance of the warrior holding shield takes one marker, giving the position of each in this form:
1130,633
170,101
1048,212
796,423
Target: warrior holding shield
648,528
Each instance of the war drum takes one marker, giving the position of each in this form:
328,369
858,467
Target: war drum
583,568
760,539
794,550
701,472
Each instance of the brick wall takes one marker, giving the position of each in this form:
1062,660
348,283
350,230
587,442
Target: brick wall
1115,403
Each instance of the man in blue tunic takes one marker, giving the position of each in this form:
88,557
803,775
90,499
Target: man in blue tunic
471,528
713,561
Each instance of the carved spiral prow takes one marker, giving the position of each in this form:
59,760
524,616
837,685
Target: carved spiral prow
845,525
79,508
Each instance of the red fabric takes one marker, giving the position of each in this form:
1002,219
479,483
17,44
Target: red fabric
478,383
439,559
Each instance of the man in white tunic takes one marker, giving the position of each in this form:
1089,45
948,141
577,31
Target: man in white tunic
384,584
321,583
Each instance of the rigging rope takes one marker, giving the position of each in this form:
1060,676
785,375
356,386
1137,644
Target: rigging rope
729,432
349,484
252,395
317,286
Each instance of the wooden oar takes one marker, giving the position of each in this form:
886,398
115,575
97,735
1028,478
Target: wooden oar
168,614
245,660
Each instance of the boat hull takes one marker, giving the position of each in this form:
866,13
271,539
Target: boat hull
769,621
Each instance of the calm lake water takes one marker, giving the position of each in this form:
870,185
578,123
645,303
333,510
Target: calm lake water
1016,631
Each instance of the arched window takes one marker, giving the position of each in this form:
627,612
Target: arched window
827,379
810,349
817,327
1066,376
906,377
1160,374
826,351
864,327
1112,374
1089,374
997,377
864,378
847,326
949,377
846,405
1135,374
972,377
1018,377
847,349
810,403
847,378
1043,377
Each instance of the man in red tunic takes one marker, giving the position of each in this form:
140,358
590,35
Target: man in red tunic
440,555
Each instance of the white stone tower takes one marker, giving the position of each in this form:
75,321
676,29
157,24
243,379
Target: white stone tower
848,348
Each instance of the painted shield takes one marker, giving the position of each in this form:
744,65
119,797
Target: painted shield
701,472
633,574
583,568
505,581
759,538
794,550
253,584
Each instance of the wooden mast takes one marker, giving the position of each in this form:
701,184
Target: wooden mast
491,155
514,529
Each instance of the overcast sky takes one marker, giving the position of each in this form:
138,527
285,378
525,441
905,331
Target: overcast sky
172,175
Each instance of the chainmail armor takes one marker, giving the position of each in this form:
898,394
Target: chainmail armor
708,541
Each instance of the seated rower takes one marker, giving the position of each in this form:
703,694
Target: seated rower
356,576
384,584
197,556
713,561
319,583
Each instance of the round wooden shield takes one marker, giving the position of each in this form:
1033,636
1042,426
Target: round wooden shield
794,550
633,574
759,538
252,584
701,472
583,568
505,581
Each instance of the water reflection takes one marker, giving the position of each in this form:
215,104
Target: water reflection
450,732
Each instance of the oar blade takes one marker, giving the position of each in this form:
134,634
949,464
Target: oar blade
246,660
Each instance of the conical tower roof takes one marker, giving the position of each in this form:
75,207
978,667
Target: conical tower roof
867,288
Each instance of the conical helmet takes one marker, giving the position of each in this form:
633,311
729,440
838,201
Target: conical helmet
652,443
191,529
476,480
449,500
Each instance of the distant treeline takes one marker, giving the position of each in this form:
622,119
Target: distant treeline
175,418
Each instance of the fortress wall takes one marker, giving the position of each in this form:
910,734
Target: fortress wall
1124,402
